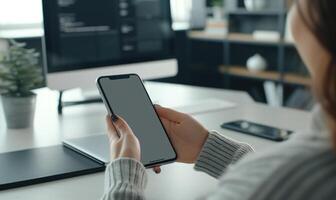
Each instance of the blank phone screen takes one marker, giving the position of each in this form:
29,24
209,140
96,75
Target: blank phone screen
127,98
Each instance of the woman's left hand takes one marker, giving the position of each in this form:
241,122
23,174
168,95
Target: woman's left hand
123,142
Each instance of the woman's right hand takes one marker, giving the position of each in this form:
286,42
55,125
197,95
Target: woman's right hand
186,134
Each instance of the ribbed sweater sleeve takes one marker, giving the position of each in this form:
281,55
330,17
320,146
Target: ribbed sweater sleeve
218,153
125,179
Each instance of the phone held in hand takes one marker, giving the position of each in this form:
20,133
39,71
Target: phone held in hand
258,130
126,96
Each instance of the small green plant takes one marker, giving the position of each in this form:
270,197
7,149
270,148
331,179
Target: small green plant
19,70
217,3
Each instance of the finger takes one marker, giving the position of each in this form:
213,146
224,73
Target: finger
169,127
157,169
170,114
121,126
165,122
112,132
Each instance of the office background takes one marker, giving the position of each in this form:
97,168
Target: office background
212,46
240,51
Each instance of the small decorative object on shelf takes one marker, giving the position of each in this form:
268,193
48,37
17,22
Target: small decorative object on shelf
266,35
19,74
218,13
256,63
230,5
255,5
217,9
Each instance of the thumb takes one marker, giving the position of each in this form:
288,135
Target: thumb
170,114
166,123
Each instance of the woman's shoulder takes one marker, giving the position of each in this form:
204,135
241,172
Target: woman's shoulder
306,171
304,159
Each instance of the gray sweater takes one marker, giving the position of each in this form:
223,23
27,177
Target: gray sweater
302,168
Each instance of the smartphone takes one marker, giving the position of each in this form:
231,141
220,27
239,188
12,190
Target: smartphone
258,130
126,96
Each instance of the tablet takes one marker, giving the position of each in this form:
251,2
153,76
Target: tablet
31,166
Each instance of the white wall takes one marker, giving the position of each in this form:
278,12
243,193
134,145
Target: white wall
181,10
28,13
20,13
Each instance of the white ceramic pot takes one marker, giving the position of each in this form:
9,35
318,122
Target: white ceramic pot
217,13
3,47
254,5
256,63
19,111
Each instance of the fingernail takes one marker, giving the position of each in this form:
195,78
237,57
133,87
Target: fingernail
114,118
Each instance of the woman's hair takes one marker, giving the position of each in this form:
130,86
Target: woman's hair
320,17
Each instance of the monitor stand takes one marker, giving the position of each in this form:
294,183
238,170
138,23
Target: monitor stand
62,104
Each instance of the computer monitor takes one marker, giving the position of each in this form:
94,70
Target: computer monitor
85,39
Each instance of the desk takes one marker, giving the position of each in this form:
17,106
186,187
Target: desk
177,181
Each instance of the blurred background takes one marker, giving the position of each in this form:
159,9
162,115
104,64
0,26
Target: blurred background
232,44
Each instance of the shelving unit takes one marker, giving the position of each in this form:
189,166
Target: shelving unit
239,44
244,39
285,68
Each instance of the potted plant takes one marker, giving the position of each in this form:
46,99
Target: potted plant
19,74
217,9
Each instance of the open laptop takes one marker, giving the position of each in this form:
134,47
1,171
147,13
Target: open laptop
96,147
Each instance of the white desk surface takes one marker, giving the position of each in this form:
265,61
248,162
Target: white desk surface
177,181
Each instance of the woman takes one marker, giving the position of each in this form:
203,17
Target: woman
302,168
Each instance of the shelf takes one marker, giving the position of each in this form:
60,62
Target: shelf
205,35
248,38
234,37
243,11
297,79
265,75
243,72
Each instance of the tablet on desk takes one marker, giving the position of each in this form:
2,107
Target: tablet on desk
31,166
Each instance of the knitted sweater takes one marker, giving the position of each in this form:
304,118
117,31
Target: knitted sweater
302,168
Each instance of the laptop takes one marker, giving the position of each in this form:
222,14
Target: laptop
96,147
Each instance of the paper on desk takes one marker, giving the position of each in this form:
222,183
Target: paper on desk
204,106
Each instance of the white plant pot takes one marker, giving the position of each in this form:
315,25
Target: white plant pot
255,5
217,13
19,111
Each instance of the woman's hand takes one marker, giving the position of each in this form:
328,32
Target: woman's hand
123,142
187,135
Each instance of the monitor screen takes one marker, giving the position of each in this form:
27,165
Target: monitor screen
81,34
